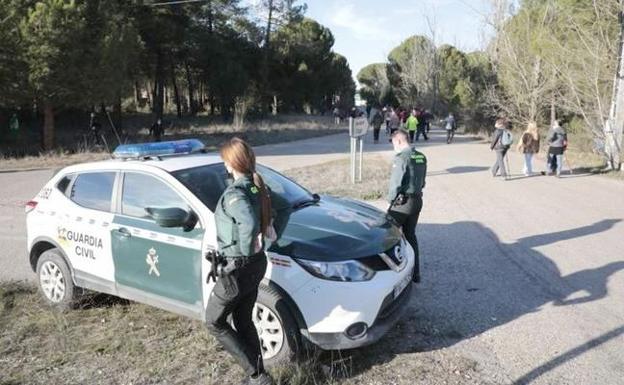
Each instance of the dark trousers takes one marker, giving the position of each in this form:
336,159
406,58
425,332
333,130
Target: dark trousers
236,294
411,135
449,135
421,130
376,133
499,165
406,216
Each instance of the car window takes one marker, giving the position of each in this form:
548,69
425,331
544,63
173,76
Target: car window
208,183
64,183
141,191
93,190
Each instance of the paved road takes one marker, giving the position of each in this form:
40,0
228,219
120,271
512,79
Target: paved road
524,277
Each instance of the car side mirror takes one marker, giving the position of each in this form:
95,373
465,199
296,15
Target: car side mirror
173,217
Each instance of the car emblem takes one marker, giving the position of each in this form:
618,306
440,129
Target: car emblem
397,254
152,260
62,235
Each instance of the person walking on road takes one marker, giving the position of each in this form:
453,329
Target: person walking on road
411,124
501,141
558,142
387,113
395,122
407,180
243,221
157,130
529,145
421,128
450,125
376,120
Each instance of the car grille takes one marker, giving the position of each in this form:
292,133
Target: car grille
375,263
392,261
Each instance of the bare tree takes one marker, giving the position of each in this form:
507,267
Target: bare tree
586,63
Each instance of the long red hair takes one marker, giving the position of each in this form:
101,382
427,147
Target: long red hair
240,156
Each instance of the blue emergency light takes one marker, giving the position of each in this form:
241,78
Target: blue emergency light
158,149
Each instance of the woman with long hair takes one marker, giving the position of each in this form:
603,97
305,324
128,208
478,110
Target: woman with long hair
529,145
243,219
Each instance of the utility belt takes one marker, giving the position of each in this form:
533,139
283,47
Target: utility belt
221,266
402,198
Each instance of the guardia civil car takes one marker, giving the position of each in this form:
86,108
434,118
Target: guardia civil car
338,278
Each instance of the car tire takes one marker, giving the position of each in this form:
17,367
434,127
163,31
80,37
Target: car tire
55,280
277,329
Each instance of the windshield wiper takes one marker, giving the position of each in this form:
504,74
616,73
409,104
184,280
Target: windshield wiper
307,202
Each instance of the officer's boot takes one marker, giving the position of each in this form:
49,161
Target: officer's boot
260,379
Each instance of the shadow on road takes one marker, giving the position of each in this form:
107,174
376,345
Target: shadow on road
458,170
568,356
473,283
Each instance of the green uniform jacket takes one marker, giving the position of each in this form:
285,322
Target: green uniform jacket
237,217
412,123
409,169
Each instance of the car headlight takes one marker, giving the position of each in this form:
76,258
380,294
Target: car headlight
344,271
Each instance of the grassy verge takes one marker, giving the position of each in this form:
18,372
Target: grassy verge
112,341
276,130
334,178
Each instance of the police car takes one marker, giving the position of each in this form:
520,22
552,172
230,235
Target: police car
338,278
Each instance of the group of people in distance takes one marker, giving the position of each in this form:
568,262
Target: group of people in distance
528,145
415,121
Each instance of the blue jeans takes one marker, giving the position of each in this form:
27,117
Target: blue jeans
528,163
555,163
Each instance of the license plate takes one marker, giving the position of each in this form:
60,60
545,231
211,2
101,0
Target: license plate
398,289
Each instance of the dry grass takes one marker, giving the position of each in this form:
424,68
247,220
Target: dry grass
113,341
275,130
333,178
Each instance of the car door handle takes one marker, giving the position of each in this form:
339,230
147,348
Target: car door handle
124,232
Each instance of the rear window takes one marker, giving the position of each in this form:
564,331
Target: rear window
64,183
93,190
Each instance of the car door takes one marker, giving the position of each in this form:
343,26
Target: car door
154,264
83,229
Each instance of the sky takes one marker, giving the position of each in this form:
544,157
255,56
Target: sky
367,30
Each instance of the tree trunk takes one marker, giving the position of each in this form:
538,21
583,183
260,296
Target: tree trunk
176,94
191,90
553,111
264,102
137,94
615,123
159,87
48,126
210,16
117,111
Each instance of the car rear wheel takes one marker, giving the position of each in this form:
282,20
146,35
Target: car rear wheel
55,280
277,330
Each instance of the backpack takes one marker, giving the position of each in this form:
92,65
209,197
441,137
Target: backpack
506,138
377,119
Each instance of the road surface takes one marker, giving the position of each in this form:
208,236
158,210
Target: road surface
523,280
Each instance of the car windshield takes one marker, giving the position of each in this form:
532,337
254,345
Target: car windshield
208,182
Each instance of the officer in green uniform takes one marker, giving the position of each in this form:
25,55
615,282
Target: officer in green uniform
407,180
244,220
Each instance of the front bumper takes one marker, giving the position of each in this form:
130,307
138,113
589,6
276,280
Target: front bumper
389,314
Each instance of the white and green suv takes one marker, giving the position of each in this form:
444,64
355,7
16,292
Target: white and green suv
338,277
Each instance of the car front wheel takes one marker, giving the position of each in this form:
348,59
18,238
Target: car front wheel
55,281
277,330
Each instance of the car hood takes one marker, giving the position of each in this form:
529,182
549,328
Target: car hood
336,229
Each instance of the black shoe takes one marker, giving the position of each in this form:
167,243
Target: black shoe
260,379
416,278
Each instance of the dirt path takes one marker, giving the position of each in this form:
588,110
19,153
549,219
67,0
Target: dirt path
523,279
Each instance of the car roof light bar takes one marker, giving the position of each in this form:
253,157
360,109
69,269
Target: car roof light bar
158,149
